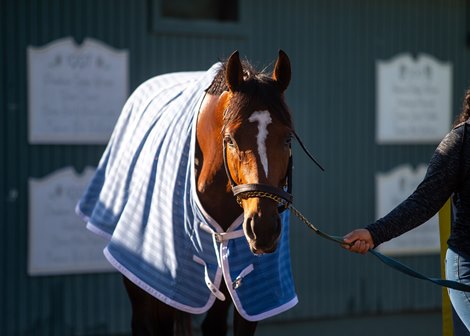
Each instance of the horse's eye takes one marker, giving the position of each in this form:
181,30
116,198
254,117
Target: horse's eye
229,140
288,140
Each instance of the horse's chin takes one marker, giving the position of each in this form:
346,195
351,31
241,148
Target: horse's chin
260,251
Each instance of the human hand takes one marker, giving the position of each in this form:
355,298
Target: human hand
358,241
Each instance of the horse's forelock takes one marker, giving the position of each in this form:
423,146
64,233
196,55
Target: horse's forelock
219,83
258,91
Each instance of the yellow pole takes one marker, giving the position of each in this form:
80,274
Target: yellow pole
444,232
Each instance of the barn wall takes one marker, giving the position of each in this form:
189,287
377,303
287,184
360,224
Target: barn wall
333,46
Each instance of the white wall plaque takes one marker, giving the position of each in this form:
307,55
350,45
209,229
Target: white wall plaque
59,242
75,93
413,99
391,189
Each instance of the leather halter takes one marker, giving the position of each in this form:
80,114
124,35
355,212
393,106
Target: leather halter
250,190
266,190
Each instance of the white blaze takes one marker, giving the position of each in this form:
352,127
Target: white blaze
264,119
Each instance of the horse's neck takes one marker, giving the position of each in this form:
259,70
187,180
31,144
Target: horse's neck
212,181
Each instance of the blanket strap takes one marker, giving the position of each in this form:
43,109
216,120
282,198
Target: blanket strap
220,237
213,288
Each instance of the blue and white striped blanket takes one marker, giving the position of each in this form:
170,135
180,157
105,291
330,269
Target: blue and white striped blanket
143,199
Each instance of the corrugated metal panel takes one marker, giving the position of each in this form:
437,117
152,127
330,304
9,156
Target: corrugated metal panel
3,190
342,47
333,46
62,305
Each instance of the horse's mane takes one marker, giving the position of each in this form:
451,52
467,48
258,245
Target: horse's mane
258,91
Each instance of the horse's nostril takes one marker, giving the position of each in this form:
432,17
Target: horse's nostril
249,228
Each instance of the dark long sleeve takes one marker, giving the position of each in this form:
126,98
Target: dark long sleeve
440,182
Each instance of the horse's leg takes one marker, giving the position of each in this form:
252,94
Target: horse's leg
242,327
182,324
215,322
151,317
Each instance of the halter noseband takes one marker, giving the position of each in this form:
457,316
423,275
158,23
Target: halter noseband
250,190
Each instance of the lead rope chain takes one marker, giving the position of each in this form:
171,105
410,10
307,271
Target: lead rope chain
275,198
386,260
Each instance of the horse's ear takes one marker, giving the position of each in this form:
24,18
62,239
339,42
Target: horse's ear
234,72
282,71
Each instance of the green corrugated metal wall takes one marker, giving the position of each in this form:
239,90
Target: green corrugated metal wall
333,46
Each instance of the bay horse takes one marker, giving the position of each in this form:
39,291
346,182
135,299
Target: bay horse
240,165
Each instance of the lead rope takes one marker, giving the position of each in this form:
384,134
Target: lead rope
339,240
296,212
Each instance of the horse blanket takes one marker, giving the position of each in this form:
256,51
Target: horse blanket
143,199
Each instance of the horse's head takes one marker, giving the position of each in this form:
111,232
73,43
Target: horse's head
256,134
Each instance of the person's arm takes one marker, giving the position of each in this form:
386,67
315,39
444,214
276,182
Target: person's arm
437,186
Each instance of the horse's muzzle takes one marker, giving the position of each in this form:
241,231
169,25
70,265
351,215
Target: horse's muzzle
262,234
